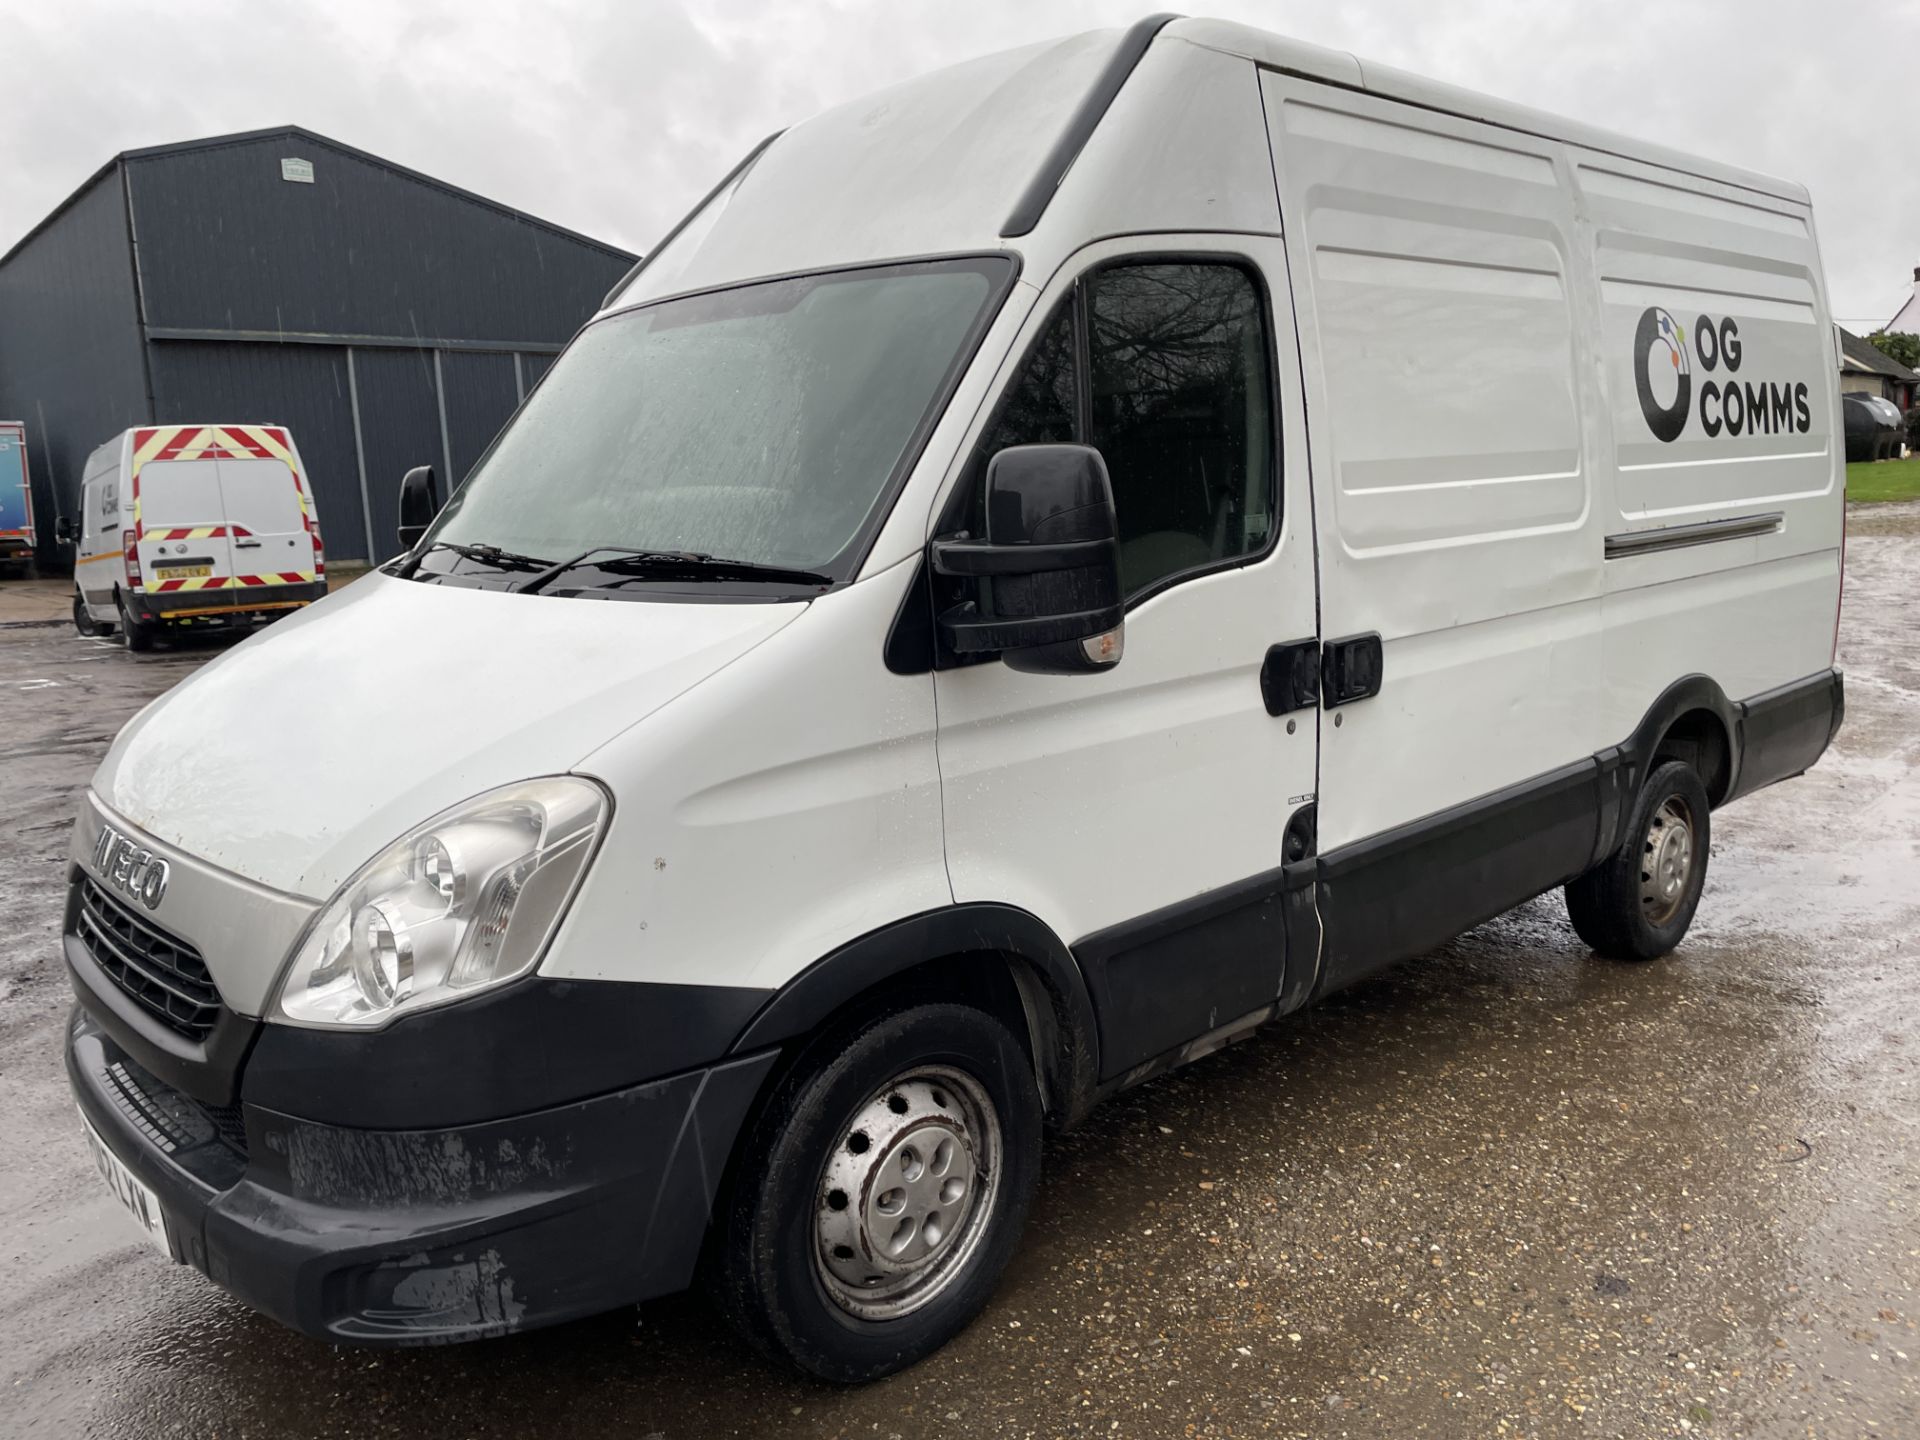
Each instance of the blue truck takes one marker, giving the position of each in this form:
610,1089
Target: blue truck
16,502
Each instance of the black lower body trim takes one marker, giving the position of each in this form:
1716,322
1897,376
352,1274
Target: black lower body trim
412,1237
1401,893
1185,970
537,1043
1783,731
241,605
1417,886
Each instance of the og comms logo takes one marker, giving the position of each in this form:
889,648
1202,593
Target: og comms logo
1663,379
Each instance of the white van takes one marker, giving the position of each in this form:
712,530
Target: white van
1046,570
193,526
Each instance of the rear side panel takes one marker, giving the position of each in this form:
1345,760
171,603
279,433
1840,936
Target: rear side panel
1717,358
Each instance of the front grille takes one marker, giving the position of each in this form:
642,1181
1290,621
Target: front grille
164,976
209,1141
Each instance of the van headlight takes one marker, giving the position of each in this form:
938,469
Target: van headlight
468,900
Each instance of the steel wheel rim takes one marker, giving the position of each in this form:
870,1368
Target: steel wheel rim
907,1193
1666,860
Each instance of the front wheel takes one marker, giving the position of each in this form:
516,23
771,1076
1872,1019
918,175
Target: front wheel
1638,903
83,622
882,1192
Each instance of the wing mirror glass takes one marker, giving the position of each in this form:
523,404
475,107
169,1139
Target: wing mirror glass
419,503
1046,576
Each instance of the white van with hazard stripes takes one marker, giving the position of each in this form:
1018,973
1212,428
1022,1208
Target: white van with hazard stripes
1044,572
193,526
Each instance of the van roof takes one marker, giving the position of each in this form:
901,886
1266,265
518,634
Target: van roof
970,157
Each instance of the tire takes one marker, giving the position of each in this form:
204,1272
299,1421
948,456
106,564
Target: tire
82,622
805,1214
136,636
1638,903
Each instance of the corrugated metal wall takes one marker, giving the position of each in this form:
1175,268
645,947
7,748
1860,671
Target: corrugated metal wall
226,244
399,429
70,357
387,319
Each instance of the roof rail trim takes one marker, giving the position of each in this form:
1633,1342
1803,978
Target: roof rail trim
685,220
1034,200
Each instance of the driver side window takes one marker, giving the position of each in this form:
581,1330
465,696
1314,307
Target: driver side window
1163,367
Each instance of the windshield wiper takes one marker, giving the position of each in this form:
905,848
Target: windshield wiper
680,564
482,554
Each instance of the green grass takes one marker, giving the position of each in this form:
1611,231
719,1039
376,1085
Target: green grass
1884,479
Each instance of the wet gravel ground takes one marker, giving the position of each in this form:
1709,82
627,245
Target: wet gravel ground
1506,1190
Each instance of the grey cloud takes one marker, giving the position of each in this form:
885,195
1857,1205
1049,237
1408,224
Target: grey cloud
613,117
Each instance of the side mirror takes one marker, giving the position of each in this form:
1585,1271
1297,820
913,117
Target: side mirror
63,530
1047,575
418,505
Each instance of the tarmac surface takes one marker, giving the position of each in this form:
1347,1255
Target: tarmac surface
1508,1189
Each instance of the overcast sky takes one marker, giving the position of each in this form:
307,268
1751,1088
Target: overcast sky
612,118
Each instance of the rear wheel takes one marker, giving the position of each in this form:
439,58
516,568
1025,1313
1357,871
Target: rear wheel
1638,903
882,1193
137,635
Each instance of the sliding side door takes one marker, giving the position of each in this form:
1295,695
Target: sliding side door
1452,406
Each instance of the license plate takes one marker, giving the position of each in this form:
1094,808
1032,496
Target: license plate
182,572
132,1191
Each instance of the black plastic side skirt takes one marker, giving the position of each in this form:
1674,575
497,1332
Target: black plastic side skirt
1783,731
1186,969
1409,889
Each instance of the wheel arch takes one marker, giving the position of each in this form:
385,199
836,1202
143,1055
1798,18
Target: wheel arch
1005,956
1690,720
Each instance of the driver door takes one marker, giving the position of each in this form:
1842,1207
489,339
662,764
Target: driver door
1145,812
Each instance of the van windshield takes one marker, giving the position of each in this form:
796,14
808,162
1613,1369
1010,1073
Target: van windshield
767,423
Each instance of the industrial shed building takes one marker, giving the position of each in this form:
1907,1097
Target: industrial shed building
387,318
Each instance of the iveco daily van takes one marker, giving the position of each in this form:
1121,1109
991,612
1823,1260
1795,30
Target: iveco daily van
192,526
1047,569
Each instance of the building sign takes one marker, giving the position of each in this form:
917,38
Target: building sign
298,171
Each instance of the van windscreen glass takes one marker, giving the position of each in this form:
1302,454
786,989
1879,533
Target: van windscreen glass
766,423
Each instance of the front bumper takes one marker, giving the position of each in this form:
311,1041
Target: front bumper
423,1236
229,605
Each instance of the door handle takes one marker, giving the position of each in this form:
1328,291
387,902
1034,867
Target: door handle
1350,669
246,544
1290,676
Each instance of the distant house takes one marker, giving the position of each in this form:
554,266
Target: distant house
1864,370
1907,319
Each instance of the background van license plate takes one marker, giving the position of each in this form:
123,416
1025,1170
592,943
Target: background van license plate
133,1192
181,572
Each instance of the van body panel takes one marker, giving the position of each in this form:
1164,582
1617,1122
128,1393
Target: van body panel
770,815
264,498
1418,93
1437,307
98,562
183,527
1755,612
1060,790
267,801
1180,149
928,167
